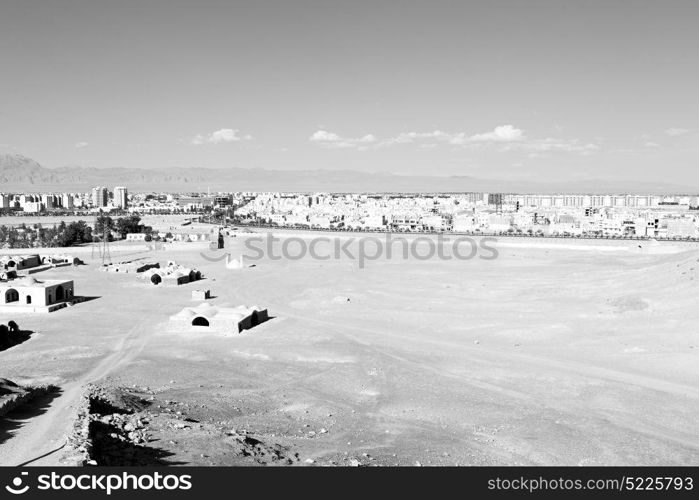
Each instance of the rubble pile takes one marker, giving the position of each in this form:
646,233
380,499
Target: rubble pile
13,395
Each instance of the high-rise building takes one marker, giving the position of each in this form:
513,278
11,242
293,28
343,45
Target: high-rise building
68,201
223,200
100,196
48,201
121,197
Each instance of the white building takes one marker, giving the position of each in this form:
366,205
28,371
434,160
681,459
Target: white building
121,197
30,295
68,201
100,197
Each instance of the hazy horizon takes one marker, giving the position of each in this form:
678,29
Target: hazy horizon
552,91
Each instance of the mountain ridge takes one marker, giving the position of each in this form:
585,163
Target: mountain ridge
22,174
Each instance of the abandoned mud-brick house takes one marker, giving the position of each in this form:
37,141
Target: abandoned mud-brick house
220,319
31,295
19,262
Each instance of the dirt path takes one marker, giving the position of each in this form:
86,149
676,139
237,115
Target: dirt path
40,438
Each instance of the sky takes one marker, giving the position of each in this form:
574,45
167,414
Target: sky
522,89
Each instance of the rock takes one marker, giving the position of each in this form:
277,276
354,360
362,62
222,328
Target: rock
310,461
324,430
354,462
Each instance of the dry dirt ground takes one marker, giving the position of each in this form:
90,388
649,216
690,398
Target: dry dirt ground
554,356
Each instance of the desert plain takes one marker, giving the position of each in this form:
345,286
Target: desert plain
555,353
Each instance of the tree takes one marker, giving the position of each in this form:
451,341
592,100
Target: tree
104,225
126,225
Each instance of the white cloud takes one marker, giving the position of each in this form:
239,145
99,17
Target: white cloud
324,136
550,145
367,138
503,133
80,145
224,135
409,137
650,144
502,138
676,131
332,140
220,136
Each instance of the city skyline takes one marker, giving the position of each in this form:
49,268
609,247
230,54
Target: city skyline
546,90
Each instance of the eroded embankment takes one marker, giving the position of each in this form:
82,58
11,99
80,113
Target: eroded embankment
12,395
132,427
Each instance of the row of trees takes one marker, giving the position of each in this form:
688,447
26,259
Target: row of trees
61,235
121,227
71,234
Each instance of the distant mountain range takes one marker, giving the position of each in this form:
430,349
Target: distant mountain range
21,174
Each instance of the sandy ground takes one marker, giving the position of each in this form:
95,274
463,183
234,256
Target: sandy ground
551,356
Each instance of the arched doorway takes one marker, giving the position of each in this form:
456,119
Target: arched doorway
11,295
200,321
156,279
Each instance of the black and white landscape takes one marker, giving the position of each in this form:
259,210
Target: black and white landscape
389,233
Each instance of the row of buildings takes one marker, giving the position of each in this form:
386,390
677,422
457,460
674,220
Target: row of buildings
492,213
560,214
97,198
